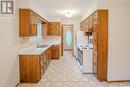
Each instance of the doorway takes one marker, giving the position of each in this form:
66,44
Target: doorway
67,37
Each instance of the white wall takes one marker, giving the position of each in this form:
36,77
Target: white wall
91,9
72,21
35,7
9,68
54,19
119,42
9,71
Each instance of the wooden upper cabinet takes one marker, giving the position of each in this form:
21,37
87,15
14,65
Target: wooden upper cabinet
90,22
27,23
95,19
24,24
33,24
81,26
87,24
54,28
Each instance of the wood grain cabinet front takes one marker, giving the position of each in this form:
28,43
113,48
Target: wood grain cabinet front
56,52
100,44
90,22
33,24
54,28
81,26
32,67
95,19
27,23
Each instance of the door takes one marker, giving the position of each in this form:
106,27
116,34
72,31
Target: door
68,39
34,20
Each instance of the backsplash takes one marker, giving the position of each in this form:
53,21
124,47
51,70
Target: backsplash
28,41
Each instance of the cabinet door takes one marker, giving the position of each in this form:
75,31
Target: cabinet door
95,50
56,51
86,25
81,26
90,22
24,22
54,28
95,19
50,29
49,54
58,29
29,69
33,24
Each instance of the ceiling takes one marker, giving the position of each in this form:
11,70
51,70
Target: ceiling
56,8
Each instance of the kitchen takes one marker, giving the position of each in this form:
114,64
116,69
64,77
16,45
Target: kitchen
53,44
57,39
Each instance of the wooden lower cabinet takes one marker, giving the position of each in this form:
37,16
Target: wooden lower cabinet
32,67
56,51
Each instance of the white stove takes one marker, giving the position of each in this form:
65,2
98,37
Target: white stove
85,59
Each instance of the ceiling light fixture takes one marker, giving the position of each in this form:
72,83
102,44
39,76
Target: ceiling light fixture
68,14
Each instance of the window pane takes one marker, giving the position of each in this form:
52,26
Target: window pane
39,31
68,38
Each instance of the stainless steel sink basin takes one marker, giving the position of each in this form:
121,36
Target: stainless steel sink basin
42,46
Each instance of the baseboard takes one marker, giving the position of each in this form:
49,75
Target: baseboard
113,81
17,84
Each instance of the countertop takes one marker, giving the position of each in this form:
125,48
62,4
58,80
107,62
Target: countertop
84,48
33,50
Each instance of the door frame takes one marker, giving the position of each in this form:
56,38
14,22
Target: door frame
62,41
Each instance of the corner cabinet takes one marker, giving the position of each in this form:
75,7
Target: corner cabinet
27,23
32,67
